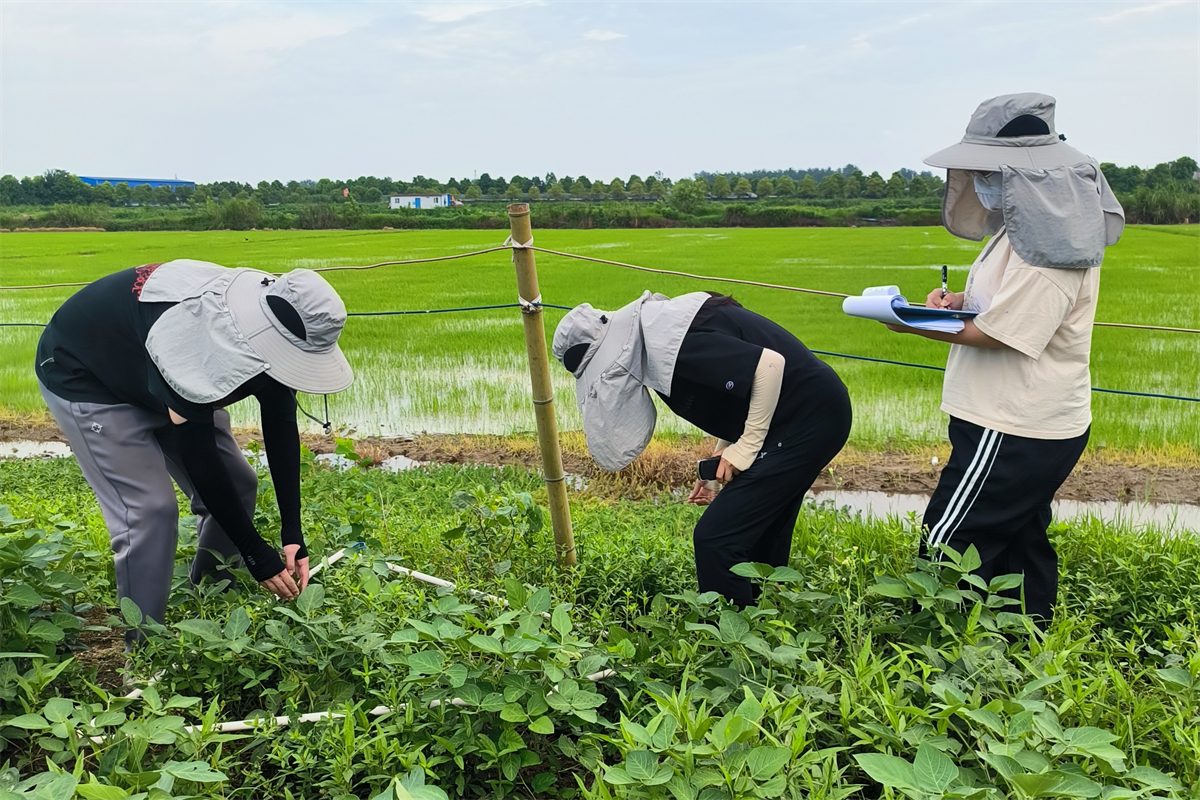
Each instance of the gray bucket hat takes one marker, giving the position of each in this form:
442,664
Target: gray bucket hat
984,148
1057,206
629,352
229,325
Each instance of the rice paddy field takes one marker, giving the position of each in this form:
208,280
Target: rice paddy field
466,372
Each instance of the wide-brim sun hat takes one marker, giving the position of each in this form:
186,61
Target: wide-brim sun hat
1015,130
307,359
227,326
618,414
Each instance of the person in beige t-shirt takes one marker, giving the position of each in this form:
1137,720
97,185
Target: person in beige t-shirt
1017,385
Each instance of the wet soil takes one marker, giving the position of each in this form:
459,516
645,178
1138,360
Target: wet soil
1099,476
104,650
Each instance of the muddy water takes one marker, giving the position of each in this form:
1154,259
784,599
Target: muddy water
1168,517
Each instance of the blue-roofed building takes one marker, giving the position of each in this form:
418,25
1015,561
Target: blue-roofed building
151,182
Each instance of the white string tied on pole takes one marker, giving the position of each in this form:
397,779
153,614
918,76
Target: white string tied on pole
515,246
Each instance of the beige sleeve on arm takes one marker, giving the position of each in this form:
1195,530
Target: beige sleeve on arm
764,396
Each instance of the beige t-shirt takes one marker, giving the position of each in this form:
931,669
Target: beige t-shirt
1039,385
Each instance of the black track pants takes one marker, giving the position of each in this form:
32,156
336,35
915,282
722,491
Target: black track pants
753,517
995,493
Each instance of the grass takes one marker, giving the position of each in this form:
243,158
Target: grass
466,372
831,683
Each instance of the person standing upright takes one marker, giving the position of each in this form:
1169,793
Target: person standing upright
1017,384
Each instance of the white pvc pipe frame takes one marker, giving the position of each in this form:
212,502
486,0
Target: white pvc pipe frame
282,722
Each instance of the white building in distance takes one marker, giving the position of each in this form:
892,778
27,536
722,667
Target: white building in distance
420,201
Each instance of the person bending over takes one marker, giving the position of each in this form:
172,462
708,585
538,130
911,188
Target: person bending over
138,367
780,415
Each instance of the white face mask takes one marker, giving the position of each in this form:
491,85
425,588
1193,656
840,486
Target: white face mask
990,190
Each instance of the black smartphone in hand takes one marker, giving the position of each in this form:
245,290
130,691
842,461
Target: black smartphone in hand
706,469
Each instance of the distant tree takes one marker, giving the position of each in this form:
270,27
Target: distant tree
513,192
896,185
636,187
720,187
742,187
875,186
688,196
853,187
656,189
556,191
785,186
917,187
550,179
143,195
764,188
701,183
124,193
616,189
581,185
10,191
104,193
242,195
473,192
1184,169
568,184
807,187
832,185
535,193
162,195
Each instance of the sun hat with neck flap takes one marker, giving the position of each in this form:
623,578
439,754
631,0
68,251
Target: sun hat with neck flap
1057,207
229,325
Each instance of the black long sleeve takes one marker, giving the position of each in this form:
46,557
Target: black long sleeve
281,436
198,449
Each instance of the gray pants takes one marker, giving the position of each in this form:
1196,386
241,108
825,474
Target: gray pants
130,469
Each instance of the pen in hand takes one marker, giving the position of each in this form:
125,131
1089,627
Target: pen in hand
943,280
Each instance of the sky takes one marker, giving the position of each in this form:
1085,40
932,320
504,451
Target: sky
254,91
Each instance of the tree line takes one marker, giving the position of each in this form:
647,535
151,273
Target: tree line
1166,193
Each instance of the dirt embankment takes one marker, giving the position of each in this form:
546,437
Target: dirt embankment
666,464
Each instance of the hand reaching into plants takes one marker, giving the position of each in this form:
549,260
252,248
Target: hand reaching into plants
701,495
283,585
298,568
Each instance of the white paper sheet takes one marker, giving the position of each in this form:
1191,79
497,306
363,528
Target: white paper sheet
886,304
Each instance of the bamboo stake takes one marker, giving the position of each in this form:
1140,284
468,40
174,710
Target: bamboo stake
539,374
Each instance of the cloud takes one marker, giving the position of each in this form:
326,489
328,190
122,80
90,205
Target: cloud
1151,8
597,35
457,12
273,34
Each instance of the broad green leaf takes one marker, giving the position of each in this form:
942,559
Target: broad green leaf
887,770
311,599
195,771
766,762
1005,582
560,620
749,708
985,717
1043,784
516,592
46,631
61,787
641,765
934,770
539,601
206,629
1149,776
542,725
237,624
23,596
487,644
29,722
618,776
426,662
96,791
513,713
130,612
970,560
785,575
733,626
749,569
898,590
1175,675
